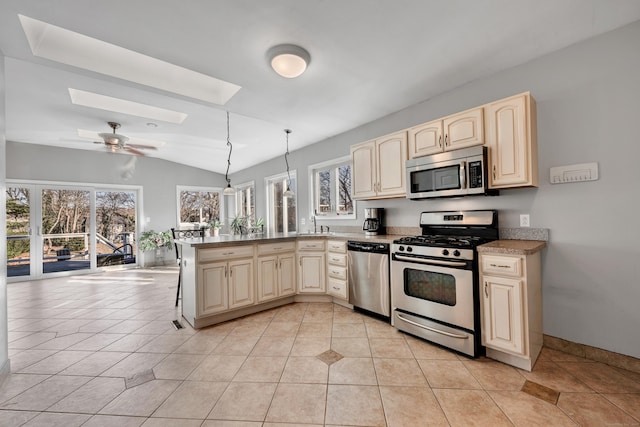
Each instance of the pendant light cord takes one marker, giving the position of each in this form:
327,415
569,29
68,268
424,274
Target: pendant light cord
286,158
226,175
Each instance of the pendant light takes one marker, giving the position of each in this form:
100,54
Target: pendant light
229,191
288,193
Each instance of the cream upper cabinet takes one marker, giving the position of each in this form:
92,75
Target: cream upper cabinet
512,141
459,130
378,167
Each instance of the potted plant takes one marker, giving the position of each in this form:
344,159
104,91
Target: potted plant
260,224
238,224
152,240
215,225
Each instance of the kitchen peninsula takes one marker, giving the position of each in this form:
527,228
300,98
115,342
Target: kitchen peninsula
230,276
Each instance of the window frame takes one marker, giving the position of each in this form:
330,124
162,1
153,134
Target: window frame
238,197
180,188
314,188
269,198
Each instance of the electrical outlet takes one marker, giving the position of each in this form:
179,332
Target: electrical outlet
524,220
302,221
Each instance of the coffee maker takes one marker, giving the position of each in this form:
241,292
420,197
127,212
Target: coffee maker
373,218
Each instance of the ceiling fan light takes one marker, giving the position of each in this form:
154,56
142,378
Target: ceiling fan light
288,60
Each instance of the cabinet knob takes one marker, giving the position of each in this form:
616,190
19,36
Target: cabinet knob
446,140
494,171
486,292
440,141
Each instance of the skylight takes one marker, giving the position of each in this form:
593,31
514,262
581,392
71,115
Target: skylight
71,48
103,102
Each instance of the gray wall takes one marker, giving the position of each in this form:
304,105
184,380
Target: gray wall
4,334
157,177
587,104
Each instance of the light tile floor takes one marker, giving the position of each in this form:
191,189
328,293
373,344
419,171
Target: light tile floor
100,350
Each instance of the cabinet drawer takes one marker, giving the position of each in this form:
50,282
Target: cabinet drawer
310,245
337,246
337,259
205,255
337,272
276,248
337,288
502,265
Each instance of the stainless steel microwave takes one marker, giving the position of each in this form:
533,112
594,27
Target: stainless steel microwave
450,174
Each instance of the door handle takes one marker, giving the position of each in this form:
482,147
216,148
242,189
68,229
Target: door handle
225,271
494,172
463,174
440,141
446,140
486,292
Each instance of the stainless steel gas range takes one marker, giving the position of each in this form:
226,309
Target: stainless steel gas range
434,278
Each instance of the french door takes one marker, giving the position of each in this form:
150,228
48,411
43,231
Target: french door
59,229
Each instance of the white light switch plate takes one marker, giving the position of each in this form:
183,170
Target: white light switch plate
573,173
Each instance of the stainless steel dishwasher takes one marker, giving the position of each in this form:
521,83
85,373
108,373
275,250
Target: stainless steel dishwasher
369,276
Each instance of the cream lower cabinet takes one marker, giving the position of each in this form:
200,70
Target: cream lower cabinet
276,265
511,135
337,269
311,266
511,307
225,285
378,167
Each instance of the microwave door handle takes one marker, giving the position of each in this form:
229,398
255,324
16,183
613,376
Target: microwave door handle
463,174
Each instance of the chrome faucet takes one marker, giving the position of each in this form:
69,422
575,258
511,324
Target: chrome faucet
313,217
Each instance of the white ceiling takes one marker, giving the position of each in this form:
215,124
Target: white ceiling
369,58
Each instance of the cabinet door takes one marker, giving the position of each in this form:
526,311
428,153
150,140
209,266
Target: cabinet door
425,139
240,283
511,152
267,277
391,155
503,310
463,130
311,273
287,274
212,283
363,170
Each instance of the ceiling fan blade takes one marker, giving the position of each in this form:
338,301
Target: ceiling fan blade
133,151
143,147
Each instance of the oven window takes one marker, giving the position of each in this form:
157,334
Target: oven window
430,286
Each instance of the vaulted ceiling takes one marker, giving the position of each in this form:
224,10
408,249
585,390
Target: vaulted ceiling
369,58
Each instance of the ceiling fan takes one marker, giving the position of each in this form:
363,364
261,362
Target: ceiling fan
116,142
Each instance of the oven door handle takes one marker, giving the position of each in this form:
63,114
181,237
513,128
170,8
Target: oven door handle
463,174
449,334
430,261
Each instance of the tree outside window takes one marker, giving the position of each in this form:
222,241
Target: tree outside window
331,189
198,206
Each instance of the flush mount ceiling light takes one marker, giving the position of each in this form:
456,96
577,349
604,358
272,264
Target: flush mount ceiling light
229,191
288,60
288,193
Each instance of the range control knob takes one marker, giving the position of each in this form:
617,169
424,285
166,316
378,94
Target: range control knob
409,249
445,252
401,248
456,253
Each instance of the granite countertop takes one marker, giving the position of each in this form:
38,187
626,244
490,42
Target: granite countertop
512,247
233,240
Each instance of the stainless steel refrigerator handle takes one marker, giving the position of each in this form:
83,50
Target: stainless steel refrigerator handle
430,261
449,334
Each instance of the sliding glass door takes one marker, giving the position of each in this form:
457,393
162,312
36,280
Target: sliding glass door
55,229
19,231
